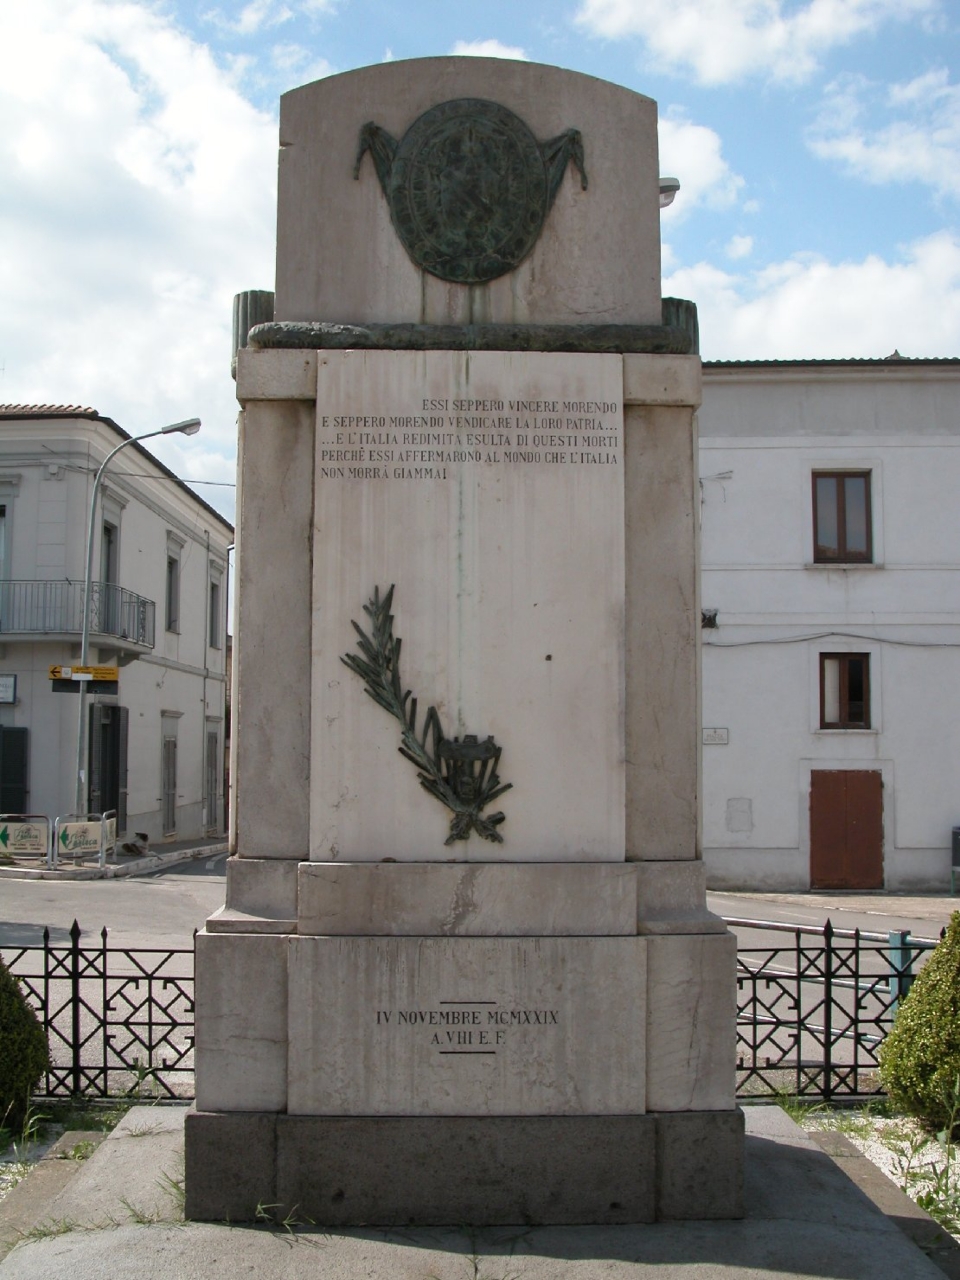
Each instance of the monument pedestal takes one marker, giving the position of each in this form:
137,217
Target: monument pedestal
441,1043
465,971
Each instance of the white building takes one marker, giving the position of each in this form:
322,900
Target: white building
159,612
830,519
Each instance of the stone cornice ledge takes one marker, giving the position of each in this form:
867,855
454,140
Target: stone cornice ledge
650,339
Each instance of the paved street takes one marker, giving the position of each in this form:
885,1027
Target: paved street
869,912
164,907
158,909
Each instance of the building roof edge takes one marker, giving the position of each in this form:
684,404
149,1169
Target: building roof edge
44,412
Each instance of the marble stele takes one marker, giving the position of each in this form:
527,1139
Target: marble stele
465,971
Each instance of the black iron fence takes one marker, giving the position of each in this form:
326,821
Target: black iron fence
813,1007
118,1021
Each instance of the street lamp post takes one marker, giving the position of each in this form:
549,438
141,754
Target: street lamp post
189,427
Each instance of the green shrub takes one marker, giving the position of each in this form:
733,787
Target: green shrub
24,1055
920,1058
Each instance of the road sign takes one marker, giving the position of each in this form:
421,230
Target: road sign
24,837
79,837
82,674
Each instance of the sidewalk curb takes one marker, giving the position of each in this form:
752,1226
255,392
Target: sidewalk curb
29,1201
915,1223
113,871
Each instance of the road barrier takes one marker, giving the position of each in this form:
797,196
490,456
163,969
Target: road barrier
80,835
25,835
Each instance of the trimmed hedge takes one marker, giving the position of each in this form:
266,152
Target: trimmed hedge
24,1055
920,1058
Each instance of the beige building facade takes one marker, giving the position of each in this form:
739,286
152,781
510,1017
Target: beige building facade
158,608
830,536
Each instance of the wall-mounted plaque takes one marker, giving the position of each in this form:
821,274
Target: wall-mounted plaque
469,186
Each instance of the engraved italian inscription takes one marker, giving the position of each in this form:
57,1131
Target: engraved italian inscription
432,439
464,1027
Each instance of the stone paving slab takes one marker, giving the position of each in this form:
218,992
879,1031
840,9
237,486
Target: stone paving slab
926,1234
805,1219
28,1202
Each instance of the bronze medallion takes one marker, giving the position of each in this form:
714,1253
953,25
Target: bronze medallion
468,190
469,186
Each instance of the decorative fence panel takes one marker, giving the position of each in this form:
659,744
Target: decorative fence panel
118,1021
813,1007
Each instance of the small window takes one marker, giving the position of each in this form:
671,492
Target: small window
214,614
841,517
844,691
173,593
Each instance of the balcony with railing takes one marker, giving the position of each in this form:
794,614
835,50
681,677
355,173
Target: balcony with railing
55,609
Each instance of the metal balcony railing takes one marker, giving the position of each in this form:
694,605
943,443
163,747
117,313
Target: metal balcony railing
45,608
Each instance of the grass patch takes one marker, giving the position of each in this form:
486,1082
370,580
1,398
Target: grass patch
49,1230
81,1151
92,1116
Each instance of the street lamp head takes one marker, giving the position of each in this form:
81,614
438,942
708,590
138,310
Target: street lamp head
189,427
668,190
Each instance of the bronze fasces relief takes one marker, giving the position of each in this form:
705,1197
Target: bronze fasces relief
460,774
469,186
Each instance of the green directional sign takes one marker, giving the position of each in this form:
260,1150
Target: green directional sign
80,837
25,837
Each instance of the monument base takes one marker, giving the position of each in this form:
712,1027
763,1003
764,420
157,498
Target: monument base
342,1171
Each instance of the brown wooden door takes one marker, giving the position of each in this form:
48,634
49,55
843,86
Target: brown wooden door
846,829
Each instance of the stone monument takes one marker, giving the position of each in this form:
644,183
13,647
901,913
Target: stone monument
465,971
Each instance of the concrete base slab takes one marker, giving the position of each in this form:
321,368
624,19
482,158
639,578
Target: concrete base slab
804,1219
700,1165
401,1171
244,1148
441,1170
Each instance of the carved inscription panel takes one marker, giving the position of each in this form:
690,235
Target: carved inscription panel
445,435
478,1026
486,488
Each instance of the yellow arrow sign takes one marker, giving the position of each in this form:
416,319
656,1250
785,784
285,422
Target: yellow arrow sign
84,673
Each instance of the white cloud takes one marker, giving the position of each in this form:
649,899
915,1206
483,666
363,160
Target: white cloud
808,308
253,17
739,247
138,197
489,49
693,153
261,13
296,65
920,145
725,40
668,258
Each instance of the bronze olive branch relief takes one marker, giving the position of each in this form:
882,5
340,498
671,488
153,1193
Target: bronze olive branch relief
461,775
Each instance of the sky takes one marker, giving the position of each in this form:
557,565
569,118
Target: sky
817,143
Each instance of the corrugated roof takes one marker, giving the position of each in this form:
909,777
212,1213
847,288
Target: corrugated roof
12,412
